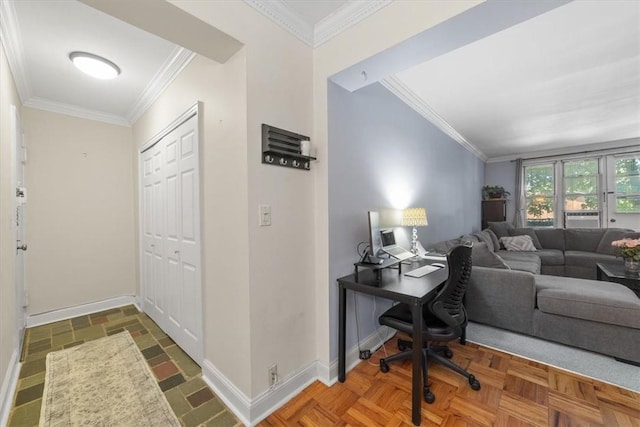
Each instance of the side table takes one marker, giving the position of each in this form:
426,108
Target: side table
616,273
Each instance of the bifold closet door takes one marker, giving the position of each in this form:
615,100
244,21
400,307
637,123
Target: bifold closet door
174,297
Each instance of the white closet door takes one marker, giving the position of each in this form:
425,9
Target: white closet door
153,231
175,297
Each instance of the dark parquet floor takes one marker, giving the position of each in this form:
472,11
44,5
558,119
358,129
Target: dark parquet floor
515,393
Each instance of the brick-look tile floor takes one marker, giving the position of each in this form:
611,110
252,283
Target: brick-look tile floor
179,377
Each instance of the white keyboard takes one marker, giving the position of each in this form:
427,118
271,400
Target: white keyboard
422,271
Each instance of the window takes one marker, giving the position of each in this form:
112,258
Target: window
627,181
539,181
581,185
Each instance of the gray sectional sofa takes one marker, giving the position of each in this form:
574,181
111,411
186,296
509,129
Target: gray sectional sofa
530,292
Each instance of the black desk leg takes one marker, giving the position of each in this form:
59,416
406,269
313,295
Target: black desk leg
342,325
416,392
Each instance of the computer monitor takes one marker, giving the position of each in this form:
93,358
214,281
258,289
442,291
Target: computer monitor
375,243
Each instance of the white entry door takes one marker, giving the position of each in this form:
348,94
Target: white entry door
20,221
170,270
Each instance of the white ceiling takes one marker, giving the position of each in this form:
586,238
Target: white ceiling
45,32
569,77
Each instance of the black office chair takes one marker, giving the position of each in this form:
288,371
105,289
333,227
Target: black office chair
445,319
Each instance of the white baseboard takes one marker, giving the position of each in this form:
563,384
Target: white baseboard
352,356
80,310
231,395
8,387
251,411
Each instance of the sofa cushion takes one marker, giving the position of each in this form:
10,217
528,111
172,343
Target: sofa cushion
551,256
583,239
527,232
586,258
604,246
518,243
481,256
501,229
551,238
521,261
484,236
604,302
445,246
494,239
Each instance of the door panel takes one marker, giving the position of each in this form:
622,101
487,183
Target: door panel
189,207
173,291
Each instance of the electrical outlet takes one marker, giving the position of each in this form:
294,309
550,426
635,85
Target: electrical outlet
273,375
365,354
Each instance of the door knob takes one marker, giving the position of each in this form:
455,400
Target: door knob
22,247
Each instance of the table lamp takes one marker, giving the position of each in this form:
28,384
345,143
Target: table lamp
414,217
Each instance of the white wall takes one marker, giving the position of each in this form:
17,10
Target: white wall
8,327
222,91
281,264
80,217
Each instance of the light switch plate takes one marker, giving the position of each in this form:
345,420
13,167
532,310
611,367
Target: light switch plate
265,215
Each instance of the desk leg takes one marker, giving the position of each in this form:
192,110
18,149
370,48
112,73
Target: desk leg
342,325
416,389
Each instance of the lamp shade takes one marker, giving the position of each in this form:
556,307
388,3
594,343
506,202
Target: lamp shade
414,217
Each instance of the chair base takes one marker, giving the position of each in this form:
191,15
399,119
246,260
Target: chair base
428,353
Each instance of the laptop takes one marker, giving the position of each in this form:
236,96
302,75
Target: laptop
389,246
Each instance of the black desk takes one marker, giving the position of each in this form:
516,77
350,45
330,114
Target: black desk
398,287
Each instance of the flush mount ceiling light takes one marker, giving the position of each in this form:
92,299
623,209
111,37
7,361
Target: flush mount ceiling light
94,65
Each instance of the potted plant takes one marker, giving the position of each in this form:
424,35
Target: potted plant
494,192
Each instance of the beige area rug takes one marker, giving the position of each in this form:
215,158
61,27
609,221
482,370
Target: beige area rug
105,382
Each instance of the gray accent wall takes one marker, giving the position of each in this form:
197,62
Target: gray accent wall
384,155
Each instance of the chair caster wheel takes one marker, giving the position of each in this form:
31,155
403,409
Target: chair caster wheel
448,354
429,397
401,346
383,366
475,384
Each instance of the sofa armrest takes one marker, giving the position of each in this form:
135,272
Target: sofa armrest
501,298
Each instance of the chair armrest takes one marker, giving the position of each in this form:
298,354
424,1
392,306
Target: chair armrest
501,298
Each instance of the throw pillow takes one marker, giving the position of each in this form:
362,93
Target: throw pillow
481,256
483,236
500,228
494,239
527,232
518,243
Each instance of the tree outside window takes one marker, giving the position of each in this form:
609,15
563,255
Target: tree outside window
628,184
539,195
581,185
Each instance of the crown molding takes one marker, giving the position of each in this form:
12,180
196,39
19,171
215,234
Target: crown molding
172,67
12,42
620,146
344,18
281,14
340,20
72,110
406,95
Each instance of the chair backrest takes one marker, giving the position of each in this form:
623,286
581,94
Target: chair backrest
447,305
